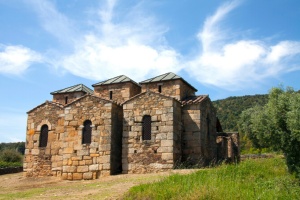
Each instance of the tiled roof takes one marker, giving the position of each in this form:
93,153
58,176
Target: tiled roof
74,88
166,77
194,100
118,79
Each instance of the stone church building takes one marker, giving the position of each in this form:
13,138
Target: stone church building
124,127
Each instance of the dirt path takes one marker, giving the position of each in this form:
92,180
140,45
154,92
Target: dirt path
15,186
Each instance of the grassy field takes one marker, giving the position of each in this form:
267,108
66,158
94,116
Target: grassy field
251,179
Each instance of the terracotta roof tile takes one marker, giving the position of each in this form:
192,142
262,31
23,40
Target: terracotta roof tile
194,99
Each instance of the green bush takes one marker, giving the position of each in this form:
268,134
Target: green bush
10,156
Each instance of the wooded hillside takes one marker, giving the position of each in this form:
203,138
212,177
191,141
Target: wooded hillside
229,109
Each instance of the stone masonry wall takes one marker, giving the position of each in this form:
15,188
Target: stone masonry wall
61,98
228,147
120,92
199,135
44,161
88,161
157,154
176,88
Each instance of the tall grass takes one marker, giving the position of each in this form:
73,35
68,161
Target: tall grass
251,179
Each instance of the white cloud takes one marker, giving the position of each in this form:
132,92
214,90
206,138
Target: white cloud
134,46
237,64
16,59
53,21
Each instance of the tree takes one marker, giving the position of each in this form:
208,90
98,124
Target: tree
276,125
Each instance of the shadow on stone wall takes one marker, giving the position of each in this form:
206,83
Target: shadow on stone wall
10,170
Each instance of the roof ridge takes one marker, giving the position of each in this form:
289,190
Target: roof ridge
162,77
115,80
46,102
80,86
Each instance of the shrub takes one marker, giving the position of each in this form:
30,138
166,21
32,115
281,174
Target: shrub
10,155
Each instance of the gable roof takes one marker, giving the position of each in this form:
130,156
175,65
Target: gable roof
46,103
93,96
166,77
117,79
74,88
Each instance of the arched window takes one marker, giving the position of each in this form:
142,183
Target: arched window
87,132
146,135
44,136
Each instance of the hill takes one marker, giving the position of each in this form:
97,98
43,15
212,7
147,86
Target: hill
229,109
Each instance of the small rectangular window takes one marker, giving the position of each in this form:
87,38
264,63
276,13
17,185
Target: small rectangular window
66,100
159,88
110,95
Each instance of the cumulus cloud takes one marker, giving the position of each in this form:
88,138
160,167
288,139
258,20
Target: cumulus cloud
134,46
133,43
16,59
236,64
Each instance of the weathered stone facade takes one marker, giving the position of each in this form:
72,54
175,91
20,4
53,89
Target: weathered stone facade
162,151
123,127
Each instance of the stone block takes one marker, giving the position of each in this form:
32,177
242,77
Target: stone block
167,143
82,168
88,175
68,150
69,169
167,156
77,176
105,159
64,176
69,117
165,150
94,167
35,151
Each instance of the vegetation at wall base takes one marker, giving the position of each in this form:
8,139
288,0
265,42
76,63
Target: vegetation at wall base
251,179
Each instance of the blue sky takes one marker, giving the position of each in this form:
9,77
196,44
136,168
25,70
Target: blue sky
223,48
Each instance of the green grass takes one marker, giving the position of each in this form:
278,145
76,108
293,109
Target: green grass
251,179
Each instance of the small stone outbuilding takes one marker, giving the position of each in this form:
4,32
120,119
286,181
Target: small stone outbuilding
124,127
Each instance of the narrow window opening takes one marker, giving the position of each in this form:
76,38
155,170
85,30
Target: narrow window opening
110,95
146,134
87,132
44,136
159,88
66,100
